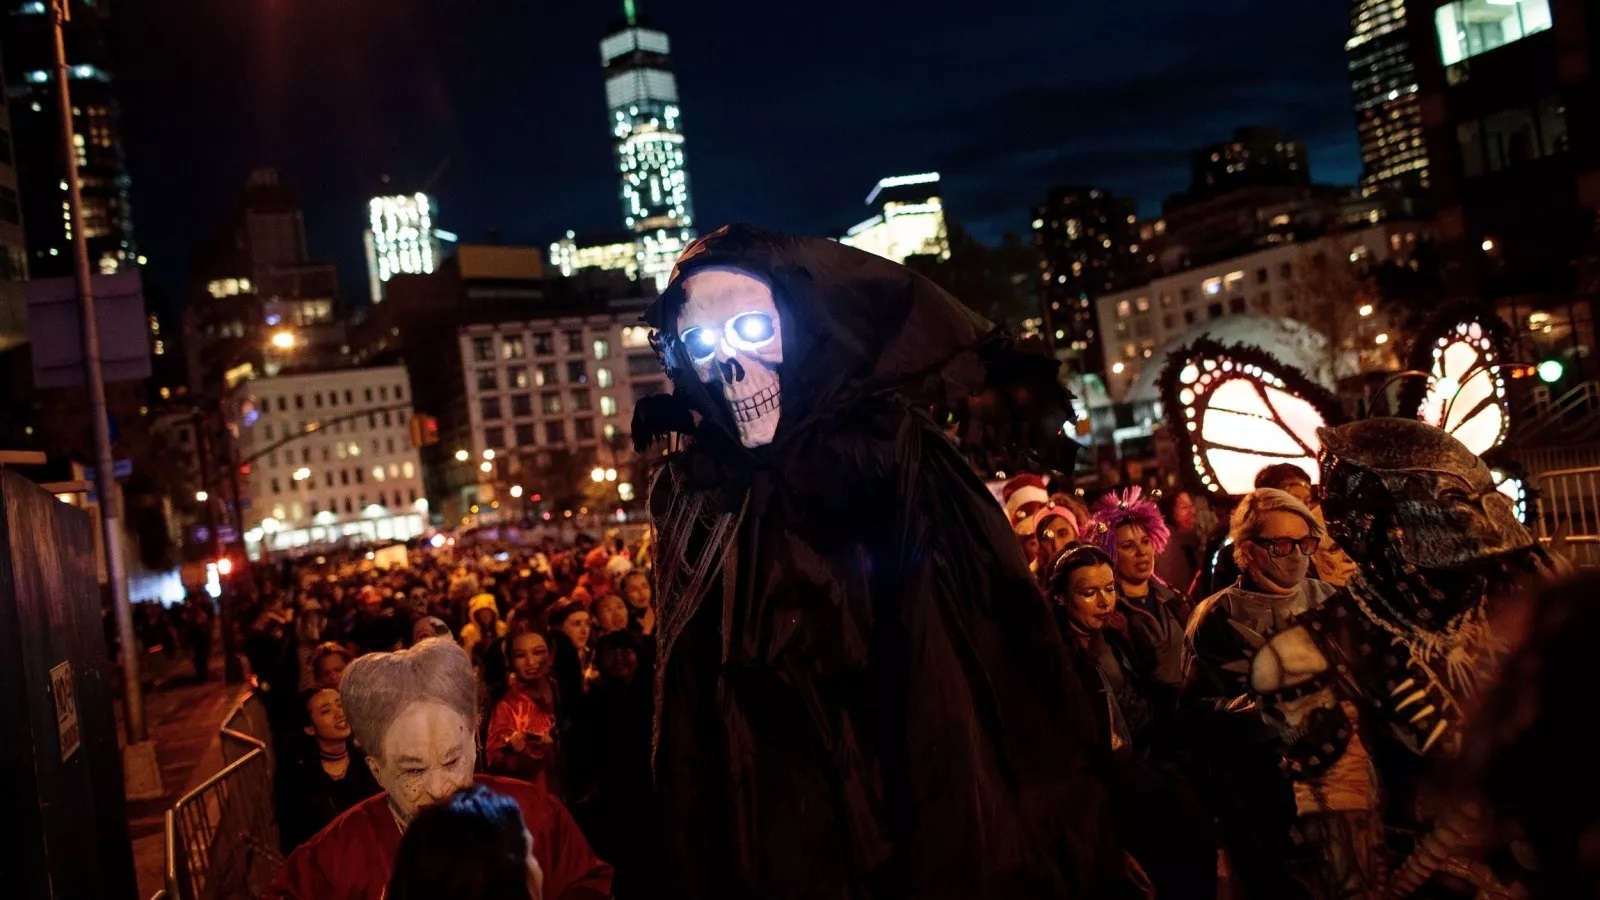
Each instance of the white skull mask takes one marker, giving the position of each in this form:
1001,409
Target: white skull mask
732,332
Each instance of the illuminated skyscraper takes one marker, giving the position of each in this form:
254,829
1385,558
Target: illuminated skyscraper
642,96
1383,86
400,239
908,219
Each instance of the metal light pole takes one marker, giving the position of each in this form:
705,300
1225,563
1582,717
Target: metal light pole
105,477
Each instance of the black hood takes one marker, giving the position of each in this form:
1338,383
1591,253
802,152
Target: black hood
855,325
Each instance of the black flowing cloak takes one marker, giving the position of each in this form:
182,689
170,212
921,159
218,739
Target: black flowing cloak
861,693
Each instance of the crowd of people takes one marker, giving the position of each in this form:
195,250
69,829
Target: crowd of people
560,640
1165,599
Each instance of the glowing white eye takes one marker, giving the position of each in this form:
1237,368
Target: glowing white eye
700,342
753,326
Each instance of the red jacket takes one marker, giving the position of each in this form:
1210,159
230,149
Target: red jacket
519,712
353,857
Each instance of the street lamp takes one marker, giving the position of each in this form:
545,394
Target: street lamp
462,456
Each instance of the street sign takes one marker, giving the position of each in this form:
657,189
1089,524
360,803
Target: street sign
54,331
66,698
120,468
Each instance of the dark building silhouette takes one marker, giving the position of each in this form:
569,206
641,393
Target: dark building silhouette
257,303
1089,244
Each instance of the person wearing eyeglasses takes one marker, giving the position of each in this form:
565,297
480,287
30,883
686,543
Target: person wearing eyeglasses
1330,563
1274,537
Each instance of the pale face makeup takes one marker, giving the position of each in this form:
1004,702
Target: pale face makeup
427,754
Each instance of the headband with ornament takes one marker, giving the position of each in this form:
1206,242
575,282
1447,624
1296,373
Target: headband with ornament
1129,507
1021,491
1054,511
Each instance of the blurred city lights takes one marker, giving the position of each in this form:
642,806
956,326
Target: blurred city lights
283,340
302,473
488,454
462,455
1381,339
1551,370
224,566
1366,309
598,475
486,466
516,490
201,496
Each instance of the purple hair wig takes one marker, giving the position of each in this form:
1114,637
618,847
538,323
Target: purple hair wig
1129,507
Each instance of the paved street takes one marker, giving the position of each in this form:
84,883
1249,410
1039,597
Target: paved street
183,717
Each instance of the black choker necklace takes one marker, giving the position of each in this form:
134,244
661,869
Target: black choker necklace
333,757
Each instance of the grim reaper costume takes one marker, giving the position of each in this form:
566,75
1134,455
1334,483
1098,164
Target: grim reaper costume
860,691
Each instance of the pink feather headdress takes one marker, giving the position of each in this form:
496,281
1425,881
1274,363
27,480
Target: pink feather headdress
1129,507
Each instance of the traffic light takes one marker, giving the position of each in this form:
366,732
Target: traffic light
424,430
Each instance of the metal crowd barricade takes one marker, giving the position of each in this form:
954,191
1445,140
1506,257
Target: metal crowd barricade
222,837
1569,513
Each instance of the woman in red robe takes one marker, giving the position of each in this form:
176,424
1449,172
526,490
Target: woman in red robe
415,711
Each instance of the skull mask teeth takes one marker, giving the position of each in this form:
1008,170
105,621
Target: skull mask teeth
731,329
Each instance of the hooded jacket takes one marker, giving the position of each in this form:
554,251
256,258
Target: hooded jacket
471,633
860,692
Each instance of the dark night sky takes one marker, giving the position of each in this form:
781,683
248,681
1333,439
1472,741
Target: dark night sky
791,110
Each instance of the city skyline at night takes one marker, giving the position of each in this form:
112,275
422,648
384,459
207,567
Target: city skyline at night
777,140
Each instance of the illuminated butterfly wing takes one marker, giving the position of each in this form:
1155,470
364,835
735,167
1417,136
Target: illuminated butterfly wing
1514,488
1236,409
1465,393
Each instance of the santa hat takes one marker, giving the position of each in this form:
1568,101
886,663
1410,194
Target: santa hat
1053,511
1022,490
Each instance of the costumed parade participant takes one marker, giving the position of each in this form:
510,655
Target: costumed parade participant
1336,808
416,712
861,692
1399,654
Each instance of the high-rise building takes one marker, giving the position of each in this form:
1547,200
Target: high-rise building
401,239
647,128
13,246
1509,96
612,252
1383,87
1089,244
257,303
908,219
28,50
1256,157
